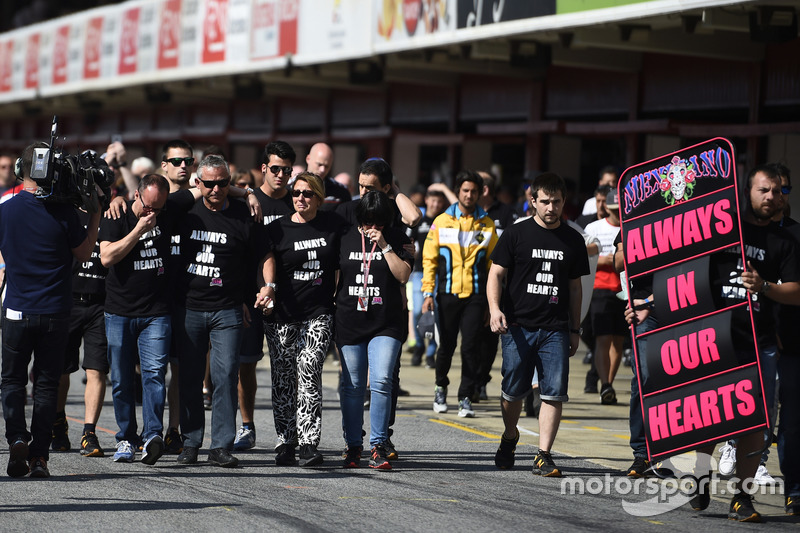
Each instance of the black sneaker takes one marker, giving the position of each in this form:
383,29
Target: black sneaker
222,457
742,509
701,498
608,396
188,456
18,459
543,465
90,446
39,467
285,455
792,505
207,400
430,361
309,456
504,458
391,451
173,442
352,456
378,459
416,358
60,436
153,450
639,468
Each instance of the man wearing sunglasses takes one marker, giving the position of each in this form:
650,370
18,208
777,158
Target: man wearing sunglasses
220,248
276,168
177,163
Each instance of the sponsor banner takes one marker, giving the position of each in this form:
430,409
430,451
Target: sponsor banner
678,213
61,54
129,41
337,26
215,28
93,46
403,20
169,34
6,65
473,13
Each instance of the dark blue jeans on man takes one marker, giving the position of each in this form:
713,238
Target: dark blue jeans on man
635,420
789,427
44,336
152,335
223,330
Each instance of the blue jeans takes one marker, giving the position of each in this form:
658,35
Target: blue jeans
44,336
378,355
416,290
195,329
789,428
152,335
526,351
635,420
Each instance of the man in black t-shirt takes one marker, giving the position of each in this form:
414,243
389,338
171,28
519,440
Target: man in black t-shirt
275,200
136,249
87,325
220,246
538,317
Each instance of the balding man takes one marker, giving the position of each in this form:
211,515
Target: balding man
319,161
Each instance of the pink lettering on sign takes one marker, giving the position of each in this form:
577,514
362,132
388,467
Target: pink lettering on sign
687,414
689,351
678,231
681,291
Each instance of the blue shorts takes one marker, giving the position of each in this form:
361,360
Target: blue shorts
252,350
525,351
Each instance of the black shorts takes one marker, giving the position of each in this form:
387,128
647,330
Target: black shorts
87,323
607,314
252,350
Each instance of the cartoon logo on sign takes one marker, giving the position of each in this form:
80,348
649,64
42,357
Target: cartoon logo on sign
677,183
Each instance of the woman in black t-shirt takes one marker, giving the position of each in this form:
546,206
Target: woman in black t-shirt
370,323
300,278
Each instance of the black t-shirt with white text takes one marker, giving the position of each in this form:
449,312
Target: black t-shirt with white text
307,256
218,252
89,277
139,284
775,259
385,314
274,208
540,262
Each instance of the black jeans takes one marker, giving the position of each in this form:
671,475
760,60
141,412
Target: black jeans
467,314
44,336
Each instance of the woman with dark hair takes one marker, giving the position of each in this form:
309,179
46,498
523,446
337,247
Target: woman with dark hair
299,282
370,323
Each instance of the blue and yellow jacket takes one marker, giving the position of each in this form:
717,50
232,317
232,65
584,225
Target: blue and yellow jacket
456,252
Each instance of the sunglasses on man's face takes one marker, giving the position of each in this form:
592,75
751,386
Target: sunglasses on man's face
275,169
306,194
176,161
218,183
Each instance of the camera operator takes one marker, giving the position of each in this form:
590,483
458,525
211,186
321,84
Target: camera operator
38,240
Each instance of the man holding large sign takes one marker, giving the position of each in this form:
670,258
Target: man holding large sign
696,388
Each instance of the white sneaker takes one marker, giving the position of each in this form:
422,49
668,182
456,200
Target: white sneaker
440,400
465,408
727,459
762,476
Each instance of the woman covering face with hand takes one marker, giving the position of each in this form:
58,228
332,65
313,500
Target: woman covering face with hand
370,322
